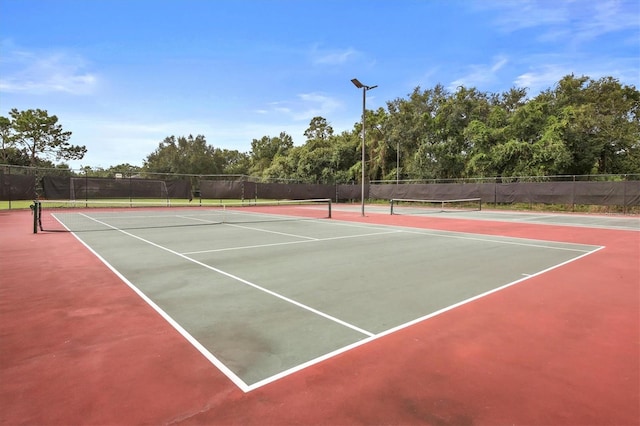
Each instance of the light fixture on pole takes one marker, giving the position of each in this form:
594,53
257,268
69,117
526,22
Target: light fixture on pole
364,108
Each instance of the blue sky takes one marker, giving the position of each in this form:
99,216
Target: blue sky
124,74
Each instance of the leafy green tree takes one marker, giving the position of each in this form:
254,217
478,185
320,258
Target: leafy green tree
487,134
445,150
235,162
285,167
42,137
378,149
579,126
6,138
318,130
315,158
598,123
264,150
347,157
124,168
412,127
185,155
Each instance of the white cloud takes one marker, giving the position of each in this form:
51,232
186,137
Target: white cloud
316,104
541,78
304,107
42,72
563,20
551,69
518,15
481,75
332,56
112,142
609,16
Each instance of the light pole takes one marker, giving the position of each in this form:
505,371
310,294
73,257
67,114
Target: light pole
364,108
397,163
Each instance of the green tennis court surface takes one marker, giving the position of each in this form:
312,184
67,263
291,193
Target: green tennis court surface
614,221
263,299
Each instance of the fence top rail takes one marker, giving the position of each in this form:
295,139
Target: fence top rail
235,177
512,179
418,200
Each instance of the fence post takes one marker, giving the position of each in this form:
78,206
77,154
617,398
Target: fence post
624,194
573,195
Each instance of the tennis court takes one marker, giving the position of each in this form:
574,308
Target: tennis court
261,295
312,314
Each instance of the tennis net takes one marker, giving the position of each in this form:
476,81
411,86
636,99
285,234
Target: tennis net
413,206
77,216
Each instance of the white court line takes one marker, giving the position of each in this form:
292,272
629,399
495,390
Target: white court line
463,235
525,242
449,234
344,349
242,280
519,241
269,231
371,336
204,351
248,227
311,240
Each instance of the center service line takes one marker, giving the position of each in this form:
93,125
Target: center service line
220,271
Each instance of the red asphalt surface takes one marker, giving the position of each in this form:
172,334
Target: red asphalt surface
77,346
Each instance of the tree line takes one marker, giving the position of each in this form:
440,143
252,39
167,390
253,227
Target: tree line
579,126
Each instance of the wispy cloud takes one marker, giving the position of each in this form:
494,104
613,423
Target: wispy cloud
559,38
541,78
42,72
606,17
575,21
115,141
481,75
514,16
304,107
321,56
316,104
544,71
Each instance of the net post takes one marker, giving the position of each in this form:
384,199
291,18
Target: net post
391,203
329,200
35,210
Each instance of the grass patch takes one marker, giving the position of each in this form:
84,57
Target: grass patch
15,205
141,202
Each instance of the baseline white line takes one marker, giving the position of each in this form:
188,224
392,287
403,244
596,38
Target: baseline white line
204,351
354,345
242,280
247,388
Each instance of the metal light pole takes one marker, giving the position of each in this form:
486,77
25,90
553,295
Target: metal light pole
364,108
398,163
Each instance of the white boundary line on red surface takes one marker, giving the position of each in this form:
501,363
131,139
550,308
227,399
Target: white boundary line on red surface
407,324
232,376
369,335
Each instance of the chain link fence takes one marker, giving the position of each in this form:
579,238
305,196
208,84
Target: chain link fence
616,193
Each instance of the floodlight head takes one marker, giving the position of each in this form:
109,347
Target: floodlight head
371,87
357,83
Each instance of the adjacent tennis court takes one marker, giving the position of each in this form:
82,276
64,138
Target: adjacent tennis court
262,294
